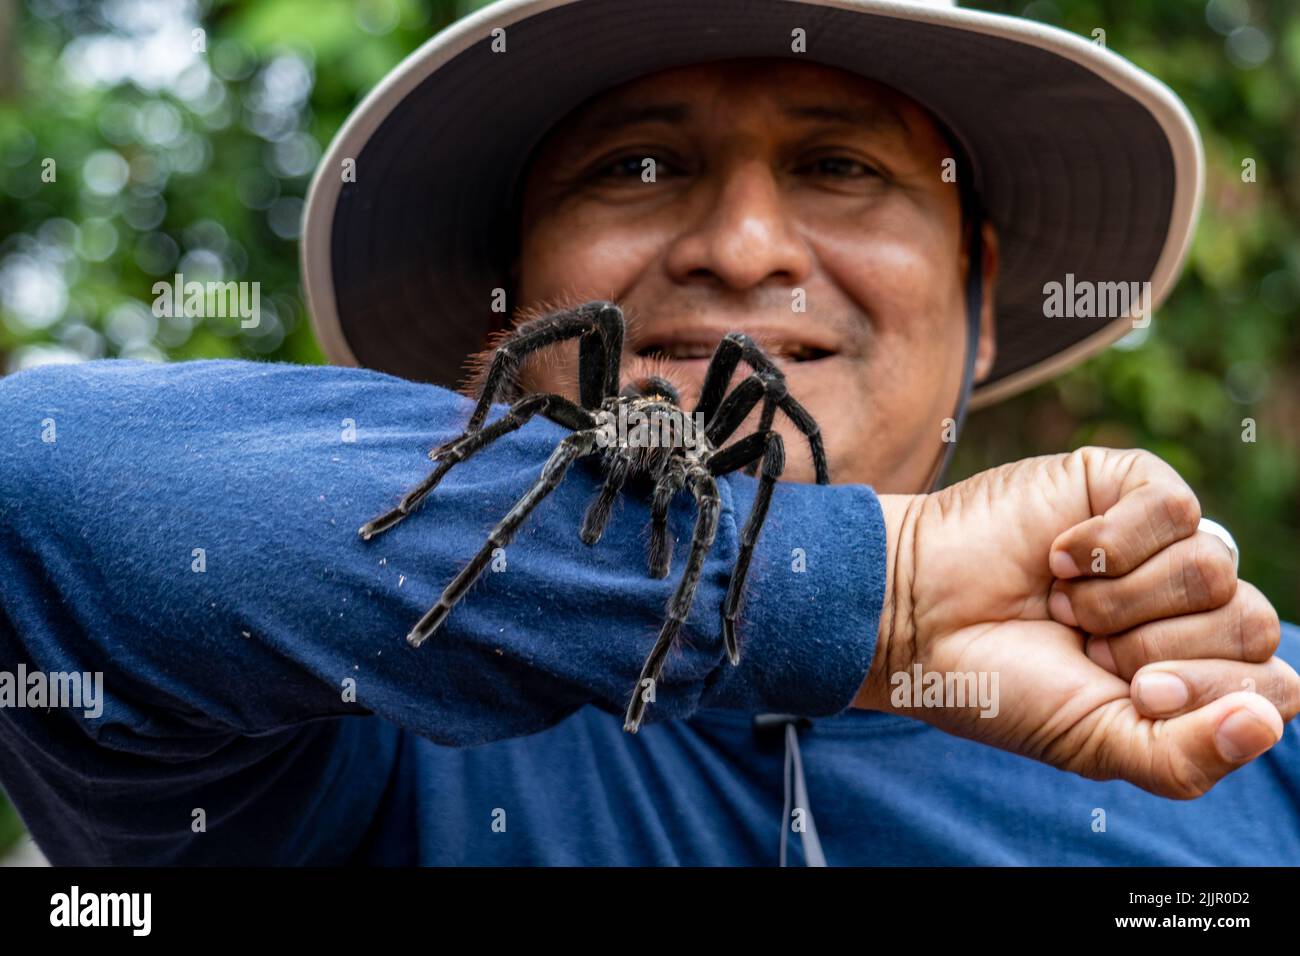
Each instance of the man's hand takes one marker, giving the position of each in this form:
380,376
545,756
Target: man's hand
1068,577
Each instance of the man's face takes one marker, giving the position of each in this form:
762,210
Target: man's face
792,201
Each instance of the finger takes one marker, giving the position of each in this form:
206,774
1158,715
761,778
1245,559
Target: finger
1172,688
1194,574
1184,757
1151,508
1245,629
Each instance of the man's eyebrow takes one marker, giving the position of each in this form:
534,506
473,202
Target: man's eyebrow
869,117
617,117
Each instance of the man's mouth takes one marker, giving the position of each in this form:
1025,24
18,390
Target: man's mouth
786,347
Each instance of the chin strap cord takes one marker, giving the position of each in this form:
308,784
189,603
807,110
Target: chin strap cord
812,846
784,729
974,306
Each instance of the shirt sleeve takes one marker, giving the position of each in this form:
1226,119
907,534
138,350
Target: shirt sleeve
189,532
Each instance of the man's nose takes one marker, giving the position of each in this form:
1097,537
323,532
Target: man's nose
741,235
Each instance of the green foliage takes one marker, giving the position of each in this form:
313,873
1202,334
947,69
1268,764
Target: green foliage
11,828
166,158
205,166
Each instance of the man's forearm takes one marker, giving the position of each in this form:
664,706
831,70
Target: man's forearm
199,522
189,533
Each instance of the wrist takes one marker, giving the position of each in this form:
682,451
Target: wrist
896,636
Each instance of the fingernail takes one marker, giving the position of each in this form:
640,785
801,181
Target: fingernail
1099,652
1063,565
1161,693
1242,735
1059,605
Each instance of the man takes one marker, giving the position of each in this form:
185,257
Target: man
259,703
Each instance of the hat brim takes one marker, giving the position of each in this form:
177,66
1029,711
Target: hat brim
1086,165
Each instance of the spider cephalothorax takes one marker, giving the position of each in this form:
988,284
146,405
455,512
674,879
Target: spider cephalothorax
639,430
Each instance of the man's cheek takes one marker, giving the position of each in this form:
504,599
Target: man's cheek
552,265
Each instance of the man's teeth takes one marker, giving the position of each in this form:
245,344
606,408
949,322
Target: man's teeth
684,351
688,351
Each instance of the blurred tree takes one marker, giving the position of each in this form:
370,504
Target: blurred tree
139,139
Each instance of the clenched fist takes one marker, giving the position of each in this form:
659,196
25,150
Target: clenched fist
1118,638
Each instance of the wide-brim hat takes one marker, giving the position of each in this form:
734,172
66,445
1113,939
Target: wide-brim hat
1090,169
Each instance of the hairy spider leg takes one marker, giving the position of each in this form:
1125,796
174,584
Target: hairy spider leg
569,450
600,358
764,425
601,326
555,407
619,467
667,483
722,367
708,505
767,448
735,408
735,347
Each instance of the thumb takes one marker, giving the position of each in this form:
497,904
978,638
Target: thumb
1188,755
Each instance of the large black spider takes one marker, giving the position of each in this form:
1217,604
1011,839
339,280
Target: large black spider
687,460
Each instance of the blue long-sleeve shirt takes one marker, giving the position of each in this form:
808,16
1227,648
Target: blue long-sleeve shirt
190,532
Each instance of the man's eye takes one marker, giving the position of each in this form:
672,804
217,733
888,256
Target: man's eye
634,166
841,167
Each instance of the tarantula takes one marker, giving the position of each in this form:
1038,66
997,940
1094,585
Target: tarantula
687,459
